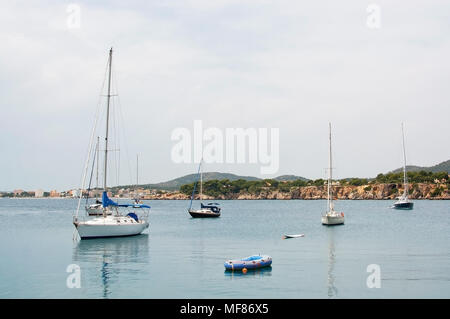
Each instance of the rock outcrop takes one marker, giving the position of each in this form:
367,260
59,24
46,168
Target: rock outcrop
372,191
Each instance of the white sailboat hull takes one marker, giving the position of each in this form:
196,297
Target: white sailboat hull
110,227
335,219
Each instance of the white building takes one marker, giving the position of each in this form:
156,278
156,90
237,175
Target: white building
76,193
39,193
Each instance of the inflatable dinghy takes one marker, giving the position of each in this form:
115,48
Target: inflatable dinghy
252,262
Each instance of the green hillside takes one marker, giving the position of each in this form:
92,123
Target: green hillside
175,184
283,178
441,167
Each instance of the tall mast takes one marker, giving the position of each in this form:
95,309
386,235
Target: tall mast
330,173
107,118
405,178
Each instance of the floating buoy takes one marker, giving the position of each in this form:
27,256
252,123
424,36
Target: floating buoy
244,270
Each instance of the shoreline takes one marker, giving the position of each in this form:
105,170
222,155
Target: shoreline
388,191
226,199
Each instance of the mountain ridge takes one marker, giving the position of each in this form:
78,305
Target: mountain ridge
176,183
441,167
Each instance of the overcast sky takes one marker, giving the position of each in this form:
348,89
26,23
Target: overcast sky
292,65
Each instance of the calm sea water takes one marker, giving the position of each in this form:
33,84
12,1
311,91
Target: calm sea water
181,257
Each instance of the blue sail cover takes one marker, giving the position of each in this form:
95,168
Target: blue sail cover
106,201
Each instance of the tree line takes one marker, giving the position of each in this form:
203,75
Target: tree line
227,187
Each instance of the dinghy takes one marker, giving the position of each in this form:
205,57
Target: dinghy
252,262
293,236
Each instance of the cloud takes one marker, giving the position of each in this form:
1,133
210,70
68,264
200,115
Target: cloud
282,64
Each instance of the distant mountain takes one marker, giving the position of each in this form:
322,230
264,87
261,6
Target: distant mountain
175,184
441,167
290,178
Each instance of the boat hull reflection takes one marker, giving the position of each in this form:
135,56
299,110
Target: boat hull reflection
104,261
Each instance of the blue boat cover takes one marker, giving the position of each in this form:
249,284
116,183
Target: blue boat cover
252,258
134,216
106,201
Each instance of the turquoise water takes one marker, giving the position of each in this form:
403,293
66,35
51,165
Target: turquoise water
182,257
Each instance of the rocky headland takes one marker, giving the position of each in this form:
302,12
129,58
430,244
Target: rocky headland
363,192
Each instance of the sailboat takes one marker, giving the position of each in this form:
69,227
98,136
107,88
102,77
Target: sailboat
205,211
403,202
331,217
116,223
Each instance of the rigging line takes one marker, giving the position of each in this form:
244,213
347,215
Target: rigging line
195,185
86,165
117,143
117,134
122,130
101,151
92,173
114,138
405,176
111,135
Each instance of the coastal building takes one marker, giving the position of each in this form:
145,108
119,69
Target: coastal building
39,193
54,193
74,193
18,192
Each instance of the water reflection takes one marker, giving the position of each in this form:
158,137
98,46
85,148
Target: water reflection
105,276
262,272
332,290
106,260
198,248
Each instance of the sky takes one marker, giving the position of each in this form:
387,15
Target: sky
291,65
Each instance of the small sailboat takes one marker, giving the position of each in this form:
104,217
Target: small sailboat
136,196
403,202
331,217
113,222
95,209
205,211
